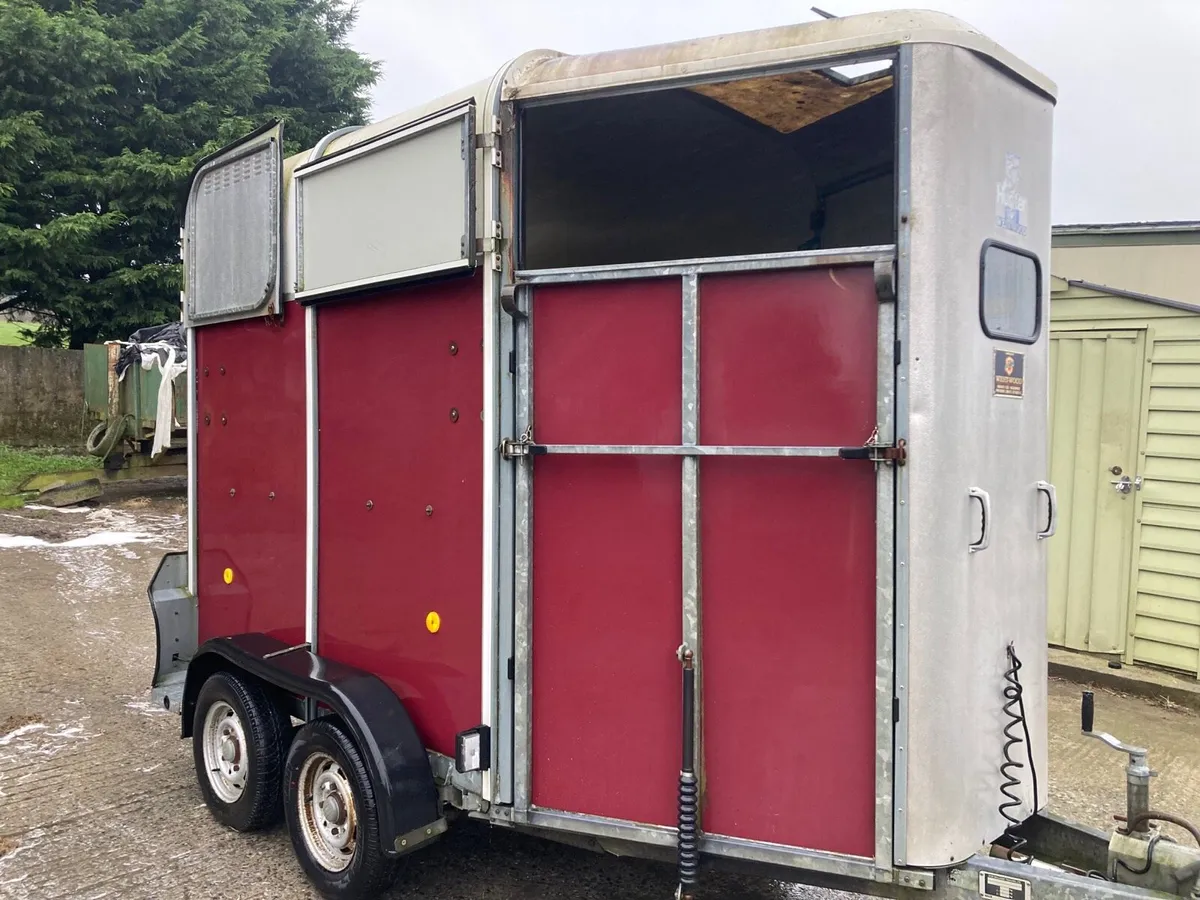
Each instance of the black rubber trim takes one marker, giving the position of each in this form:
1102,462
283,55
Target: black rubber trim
1038,299
254,135
380,725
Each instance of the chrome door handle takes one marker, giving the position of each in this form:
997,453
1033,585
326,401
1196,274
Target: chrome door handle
1124,484
1045,487
985,505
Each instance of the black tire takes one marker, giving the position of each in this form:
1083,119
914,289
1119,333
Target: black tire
369,872
266,729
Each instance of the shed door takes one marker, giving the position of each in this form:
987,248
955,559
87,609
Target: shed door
1096,386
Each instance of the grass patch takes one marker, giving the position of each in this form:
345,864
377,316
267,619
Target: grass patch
12,333
18,464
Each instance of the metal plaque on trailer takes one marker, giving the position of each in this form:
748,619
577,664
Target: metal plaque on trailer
1002,887
1008,374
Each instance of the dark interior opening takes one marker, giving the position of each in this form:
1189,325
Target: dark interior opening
801,161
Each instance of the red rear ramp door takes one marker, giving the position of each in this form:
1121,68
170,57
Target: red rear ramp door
689,485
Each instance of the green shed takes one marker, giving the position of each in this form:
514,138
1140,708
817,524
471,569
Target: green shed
1125,457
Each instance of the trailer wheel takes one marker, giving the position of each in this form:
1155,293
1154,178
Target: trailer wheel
331,814
239,737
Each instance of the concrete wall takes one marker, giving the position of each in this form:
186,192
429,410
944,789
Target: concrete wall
41,397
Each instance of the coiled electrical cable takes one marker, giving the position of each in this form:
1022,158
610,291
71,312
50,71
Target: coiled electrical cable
1010,769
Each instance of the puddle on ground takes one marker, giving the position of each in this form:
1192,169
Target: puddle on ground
42,527
40,739
98,539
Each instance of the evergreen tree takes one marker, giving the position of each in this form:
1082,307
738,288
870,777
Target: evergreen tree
106,106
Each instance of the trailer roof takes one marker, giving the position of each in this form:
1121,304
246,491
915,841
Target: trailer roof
546,73
707,57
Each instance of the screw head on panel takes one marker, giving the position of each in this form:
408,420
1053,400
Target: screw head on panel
207,419
206,370
453,414
222,370
453,349
224,420
370,504
232,491
271,496
429,510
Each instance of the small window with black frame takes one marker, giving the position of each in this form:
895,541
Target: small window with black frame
1010,293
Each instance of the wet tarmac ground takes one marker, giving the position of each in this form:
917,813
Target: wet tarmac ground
97,791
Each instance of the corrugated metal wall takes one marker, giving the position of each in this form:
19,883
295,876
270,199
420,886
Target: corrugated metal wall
1163,597
1167,624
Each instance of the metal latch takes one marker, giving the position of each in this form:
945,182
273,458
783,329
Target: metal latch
508,302
520,448
894,453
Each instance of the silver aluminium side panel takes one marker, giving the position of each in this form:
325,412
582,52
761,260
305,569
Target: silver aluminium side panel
397,207
980,170
232,232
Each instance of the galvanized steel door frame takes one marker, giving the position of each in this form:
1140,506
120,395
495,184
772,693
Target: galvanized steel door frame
689,272
900,596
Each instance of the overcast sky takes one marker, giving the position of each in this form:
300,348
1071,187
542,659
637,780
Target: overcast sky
1127,126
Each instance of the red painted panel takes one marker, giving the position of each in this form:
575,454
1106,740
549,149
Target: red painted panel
788,358
250,385
401,496
788,651
596,344
606,623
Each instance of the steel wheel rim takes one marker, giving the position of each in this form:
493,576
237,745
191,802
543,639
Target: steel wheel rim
226,761
328,818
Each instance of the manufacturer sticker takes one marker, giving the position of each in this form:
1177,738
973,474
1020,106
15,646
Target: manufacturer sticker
1003,887
1008,375
1011,207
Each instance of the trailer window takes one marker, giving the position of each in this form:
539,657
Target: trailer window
231,231
1010,293
798,161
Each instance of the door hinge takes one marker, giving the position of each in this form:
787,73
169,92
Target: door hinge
893,453
497,159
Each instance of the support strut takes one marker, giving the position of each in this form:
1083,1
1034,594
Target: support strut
689,791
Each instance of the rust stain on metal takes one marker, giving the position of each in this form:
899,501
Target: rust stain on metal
7,844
